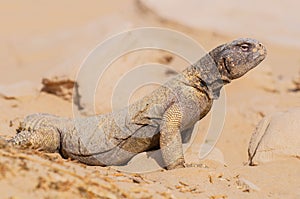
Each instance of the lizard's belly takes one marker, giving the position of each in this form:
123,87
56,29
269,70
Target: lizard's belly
105,140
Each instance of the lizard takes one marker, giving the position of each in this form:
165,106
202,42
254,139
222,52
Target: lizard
157,120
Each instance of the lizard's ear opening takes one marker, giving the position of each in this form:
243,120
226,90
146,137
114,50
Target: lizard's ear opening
224,70
219,55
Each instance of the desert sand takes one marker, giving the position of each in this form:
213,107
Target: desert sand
46,42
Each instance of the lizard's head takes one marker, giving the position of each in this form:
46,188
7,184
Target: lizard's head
236,58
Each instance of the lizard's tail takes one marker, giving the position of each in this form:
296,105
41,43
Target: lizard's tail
46,139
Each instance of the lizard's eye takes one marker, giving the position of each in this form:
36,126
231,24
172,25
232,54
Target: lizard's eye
245,47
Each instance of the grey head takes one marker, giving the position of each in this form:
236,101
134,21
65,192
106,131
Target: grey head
236,58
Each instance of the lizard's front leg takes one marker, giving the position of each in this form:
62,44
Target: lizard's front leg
170,138
38,131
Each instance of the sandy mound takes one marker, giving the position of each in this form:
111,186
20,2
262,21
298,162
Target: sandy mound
276,137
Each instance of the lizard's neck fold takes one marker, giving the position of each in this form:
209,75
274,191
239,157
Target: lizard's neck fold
205,73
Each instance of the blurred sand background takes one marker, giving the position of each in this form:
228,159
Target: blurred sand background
47,39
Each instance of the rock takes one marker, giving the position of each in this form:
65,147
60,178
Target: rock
60,86
276,137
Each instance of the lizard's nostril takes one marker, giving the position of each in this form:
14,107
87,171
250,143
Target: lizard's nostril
262,50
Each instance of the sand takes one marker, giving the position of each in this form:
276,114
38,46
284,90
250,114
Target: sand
52,39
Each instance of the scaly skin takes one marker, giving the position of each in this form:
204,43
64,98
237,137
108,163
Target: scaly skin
158,120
